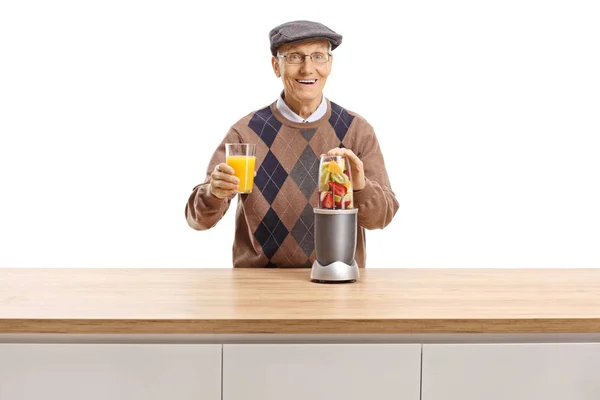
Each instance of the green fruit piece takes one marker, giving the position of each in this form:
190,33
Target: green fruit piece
339,178
323,186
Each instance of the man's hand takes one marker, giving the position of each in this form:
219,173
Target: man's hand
222,181
356,166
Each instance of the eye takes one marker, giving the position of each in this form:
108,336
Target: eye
294,56
318,56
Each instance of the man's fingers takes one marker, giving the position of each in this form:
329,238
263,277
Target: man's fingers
338,151
224,172
220,176
222,192
225,185
353,157
228,169
224,168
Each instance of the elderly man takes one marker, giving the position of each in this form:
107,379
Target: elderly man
274,223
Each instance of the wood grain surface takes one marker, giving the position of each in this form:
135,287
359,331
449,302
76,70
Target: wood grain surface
285,301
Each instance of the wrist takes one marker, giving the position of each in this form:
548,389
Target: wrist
357,188
212,194
360,196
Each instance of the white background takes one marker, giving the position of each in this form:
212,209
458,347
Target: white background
488,114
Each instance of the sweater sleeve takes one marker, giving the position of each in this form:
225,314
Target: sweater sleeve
203,210
376,202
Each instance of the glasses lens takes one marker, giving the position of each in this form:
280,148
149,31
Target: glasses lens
297,58
319,58
294,58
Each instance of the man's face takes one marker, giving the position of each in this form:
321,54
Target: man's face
303,82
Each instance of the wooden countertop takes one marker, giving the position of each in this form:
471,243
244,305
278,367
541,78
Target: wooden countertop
285,301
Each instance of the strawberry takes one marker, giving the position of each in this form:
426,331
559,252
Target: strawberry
343,205
328,201
338,189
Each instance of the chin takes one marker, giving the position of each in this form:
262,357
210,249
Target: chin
310,93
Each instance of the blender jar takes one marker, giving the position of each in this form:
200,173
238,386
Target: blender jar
335,183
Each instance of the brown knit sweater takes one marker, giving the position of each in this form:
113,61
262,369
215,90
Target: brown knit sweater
274,223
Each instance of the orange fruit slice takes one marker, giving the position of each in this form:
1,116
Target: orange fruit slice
335,168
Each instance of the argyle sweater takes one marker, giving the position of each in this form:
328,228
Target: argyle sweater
274,223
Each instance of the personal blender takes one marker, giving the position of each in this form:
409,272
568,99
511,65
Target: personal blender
335,224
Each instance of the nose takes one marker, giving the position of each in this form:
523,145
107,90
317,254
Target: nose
307,65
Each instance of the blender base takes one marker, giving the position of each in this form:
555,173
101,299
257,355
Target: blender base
336,272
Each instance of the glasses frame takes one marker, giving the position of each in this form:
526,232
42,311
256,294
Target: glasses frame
284,56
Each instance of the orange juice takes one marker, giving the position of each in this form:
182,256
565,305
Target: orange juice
244,170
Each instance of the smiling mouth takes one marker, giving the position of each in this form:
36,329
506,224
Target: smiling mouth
307,82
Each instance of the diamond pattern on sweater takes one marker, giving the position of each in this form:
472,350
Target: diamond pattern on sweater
305,172
270,233
285,255
270,177
289,207
265,125
282,216
340,120
287,147
256,204
303,230
308,133
323,142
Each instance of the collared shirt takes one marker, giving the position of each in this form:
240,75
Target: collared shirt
292,116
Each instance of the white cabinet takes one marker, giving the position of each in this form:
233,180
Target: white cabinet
528,371
321,371
110,371
302,371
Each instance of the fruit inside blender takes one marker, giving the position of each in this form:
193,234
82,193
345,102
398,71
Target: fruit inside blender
335,184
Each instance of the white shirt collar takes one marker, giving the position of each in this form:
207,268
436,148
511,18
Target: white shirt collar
292,116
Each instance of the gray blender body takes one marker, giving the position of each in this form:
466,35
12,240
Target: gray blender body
335,246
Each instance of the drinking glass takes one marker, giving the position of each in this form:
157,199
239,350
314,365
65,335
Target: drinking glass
242,158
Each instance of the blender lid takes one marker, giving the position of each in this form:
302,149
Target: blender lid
337,211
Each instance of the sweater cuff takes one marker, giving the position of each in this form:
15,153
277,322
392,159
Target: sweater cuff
363,195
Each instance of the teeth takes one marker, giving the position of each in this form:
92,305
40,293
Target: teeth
307,80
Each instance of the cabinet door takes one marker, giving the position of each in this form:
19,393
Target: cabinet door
321,371
511,371
110,371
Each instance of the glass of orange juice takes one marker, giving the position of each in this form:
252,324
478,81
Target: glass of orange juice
242,158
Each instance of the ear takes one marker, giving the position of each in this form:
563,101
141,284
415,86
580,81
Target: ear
275,64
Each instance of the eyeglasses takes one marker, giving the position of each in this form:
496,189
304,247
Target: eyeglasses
298,58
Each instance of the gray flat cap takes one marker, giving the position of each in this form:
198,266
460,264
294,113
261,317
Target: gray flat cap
301,31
